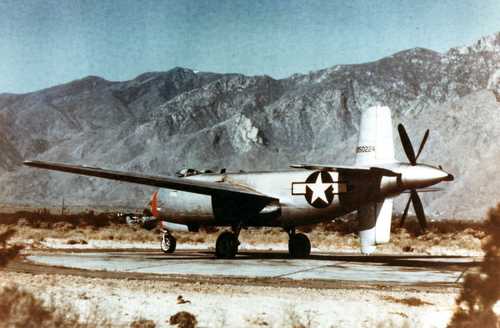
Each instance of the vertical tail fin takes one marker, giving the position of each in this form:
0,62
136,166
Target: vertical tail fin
374,225
375,144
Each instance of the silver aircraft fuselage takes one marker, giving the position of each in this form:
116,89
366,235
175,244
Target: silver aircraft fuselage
305,196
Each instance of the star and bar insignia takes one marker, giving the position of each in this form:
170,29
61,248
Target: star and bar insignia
319,188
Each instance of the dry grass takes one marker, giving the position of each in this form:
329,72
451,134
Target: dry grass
393,324
19,308
257,321
264,305
481,291
142,323
80,235
183,319
402,239
342,233
409,301
446,234
43,218
7,252
293,319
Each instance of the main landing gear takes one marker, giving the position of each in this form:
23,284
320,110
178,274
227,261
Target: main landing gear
168,242
299,245
227,244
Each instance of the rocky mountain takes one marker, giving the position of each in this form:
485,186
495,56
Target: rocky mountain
162,121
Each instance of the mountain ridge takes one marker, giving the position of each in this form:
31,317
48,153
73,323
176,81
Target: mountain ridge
159,122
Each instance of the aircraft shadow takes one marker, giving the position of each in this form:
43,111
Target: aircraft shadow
414,261
411,261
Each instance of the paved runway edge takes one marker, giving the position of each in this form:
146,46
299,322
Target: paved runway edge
273,269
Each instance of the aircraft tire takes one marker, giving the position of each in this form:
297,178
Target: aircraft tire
299,246
168,243
226,246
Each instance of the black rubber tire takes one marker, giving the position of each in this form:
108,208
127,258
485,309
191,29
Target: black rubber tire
299,246
226,246
168,243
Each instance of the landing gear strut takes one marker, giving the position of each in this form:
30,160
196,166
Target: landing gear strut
227,244
168,242
299,245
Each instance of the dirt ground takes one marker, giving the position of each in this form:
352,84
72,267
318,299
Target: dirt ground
123,301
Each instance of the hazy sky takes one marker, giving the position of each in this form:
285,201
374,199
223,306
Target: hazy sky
43,43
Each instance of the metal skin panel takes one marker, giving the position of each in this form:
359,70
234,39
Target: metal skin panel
343,194
376,146
351,191
384,218
375,224
184,207
375,143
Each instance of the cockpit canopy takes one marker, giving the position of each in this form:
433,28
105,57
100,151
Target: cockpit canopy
189,172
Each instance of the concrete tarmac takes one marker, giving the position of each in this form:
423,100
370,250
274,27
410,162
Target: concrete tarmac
376,269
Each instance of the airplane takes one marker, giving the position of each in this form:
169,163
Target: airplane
303,194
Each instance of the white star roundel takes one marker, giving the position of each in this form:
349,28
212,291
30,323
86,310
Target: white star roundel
318,189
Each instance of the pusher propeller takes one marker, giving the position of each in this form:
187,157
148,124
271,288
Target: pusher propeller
414,197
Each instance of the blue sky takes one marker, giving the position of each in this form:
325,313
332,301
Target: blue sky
43,43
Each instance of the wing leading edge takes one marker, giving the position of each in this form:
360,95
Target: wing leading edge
183,184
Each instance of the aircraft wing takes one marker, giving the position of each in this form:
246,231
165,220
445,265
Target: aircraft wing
346,168
183,184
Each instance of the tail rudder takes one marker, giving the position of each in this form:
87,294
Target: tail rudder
375,143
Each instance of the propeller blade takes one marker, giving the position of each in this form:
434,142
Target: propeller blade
405,213
424,140
407,146
419,210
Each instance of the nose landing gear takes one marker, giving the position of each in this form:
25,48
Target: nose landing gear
168,242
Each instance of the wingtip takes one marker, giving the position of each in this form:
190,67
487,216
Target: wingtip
32,163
